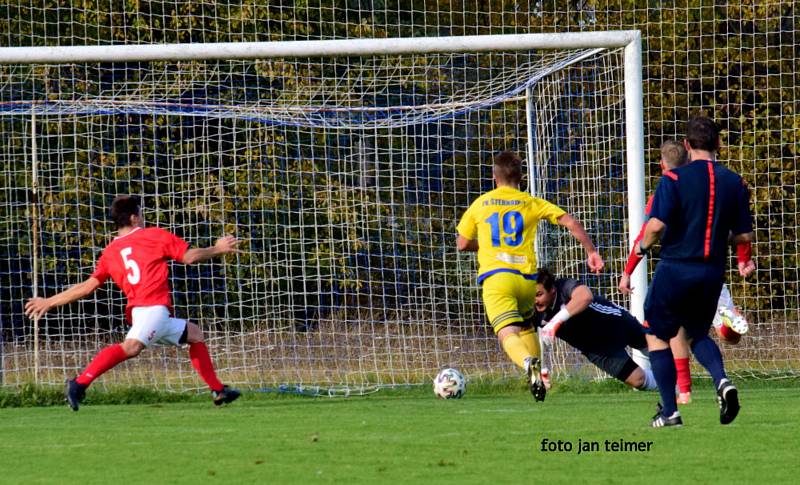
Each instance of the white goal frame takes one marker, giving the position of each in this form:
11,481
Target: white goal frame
630,40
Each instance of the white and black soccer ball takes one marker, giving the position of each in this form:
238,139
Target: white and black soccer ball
449,384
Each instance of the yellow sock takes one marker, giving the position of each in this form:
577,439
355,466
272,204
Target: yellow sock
531,341
516,349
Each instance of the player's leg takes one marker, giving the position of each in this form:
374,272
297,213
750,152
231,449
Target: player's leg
501,296
528,334
697,325
144,320
143,329
706,350
661,358
680,353
530,338
632,330
512,344
637,379
727,334
618,364
106,359
502,309
514,347
201,360
192,334
729,323
661,324
707,353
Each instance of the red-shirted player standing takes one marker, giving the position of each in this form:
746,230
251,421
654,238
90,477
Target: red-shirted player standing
137,262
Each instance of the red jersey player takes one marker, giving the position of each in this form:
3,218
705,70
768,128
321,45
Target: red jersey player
137,262
728,322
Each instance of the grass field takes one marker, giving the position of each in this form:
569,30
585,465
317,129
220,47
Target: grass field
404,437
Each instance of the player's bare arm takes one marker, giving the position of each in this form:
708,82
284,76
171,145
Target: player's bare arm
464,244
652,234
36,307
625,284
594,260
580,299
224,245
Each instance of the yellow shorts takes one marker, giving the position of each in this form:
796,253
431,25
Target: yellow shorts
508,299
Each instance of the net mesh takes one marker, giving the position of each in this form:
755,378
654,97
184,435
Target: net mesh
734,61
345,178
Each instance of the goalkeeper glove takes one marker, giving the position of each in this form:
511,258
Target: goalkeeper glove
548,333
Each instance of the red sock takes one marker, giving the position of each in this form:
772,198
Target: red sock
201,362
726,332
684,377
104,360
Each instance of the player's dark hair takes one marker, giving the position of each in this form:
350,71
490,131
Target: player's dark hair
673,153
545,278
123,207
508,168
702,134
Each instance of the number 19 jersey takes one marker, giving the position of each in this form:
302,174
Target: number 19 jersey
137,262
504,222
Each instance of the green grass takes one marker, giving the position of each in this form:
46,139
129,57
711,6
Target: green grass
404,436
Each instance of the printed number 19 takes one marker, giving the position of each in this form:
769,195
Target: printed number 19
513,224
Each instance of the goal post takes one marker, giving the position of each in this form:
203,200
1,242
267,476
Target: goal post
344,165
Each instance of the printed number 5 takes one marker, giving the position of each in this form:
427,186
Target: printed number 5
135,274
513,224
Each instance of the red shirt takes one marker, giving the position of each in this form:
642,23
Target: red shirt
137,262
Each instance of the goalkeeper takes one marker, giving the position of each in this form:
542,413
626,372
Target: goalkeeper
599,329
501,226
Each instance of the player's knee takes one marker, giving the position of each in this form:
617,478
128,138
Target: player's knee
194,333
504,332
132,347
636,379
696,339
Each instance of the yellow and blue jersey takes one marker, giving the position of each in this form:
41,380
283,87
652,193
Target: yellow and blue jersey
504,222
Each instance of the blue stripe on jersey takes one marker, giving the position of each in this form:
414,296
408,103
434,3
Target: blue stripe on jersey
609,310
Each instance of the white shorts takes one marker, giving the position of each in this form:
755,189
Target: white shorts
153,325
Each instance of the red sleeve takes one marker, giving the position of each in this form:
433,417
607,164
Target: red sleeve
744,252
174,247
647,208
101,270
633,259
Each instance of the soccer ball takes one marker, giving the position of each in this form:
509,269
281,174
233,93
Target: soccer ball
449,384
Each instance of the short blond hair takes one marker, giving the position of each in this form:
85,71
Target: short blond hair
673,153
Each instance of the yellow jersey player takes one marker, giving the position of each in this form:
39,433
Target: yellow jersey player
501,226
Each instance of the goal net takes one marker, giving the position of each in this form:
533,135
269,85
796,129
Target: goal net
345,176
